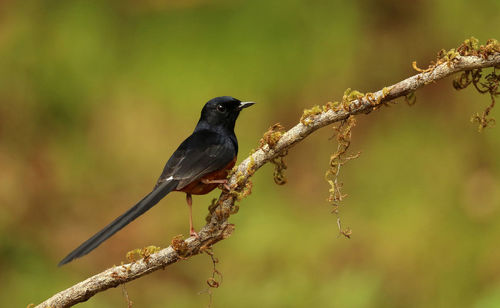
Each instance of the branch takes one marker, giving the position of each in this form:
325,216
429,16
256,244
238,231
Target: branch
218,227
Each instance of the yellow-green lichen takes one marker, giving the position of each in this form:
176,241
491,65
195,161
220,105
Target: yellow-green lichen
386,91
279,169
337,159
139,253
349,97
250,168
487,84
470,47
272,136
179,245
308,114
211,208
370,97
331,106
240,178
243,192
491,85
447,57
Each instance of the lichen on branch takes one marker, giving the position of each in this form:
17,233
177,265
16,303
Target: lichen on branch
270,138
489,84
337,160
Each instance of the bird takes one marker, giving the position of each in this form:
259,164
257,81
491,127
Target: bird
199,165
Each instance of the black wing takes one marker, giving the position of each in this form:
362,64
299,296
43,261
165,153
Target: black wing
201,153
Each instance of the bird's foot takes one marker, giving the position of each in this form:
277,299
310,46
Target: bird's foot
193,233
224,183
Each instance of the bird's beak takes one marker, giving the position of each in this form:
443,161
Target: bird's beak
245,105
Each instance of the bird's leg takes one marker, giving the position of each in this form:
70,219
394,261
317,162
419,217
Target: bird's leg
190,205
223,182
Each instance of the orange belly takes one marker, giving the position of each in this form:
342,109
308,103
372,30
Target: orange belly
199,188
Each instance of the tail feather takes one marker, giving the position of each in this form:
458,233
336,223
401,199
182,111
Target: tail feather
140,208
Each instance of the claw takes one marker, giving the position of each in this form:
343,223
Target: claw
193,233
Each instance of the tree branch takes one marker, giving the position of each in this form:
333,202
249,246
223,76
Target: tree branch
218,227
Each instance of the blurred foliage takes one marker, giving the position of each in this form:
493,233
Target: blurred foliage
95,96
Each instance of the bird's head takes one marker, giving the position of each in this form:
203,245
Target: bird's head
222,112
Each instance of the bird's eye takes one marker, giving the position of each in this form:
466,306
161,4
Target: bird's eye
221,108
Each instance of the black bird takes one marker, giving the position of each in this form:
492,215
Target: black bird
198,166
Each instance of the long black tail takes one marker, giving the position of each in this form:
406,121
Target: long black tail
137,210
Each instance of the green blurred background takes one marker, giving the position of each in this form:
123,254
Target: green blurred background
95,96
